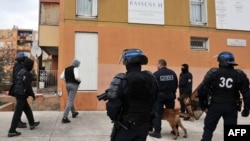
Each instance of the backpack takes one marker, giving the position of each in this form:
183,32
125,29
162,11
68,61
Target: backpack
19,89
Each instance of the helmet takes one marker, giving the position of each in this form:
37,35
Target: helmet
226,59
20,56
134,56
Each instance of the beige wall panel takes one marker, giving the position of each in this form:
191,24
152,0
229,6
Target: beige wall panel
49,35
177,12
113,10
211,14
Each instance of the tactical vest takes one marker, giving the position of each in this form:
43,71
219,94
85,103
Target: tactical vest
225,86
139,100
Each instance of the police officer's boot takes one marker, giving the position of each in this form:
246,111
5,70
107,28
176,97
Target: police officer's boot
155,134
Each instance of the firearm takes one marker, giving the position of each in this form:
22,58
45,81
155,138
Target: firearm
103,96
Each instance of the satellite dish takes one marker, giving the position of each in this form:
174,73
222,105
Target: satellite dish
35,43
36,51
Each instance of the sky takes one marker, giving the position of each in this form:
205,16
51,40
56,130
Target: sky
21,13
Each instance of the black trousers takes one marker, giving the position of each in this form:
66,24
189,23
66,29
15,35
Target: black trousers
21,105
228,112
20,119
163,100
182,104
138,133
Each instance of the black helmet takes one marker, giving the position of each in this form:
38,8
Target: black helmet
226,59
134,56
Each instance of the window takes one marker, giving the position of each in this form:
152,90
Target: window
86,8
86,50
199,43
198,12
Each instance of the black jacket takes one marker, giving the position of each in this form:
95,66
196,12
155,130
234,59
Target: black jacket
167,80
23,88
17,67
224,85
135,100
185,83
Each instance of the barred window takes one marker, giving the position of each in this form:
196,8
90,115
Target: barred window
200,44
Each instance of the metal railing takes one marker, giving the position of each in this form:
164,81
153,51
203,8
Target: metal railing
47,78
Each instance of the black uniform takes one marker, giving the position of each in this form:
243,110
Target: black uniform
131,110
168,83
185,87
222,85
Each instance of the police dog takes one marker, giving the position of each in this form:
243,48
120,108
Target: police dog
172,116
193,109
190,114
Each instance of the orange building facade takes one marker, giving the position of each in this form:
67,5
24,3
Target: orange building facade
98,39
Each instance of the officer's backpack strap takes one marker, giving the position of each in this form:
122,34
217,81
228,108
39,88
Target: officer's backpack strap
115,88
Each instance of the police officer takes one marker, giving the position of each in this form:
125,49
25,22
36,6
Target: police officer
185,87
168,83
219,94
130,99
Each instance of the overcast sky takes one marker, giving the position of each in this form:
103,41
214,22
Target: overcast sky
22,13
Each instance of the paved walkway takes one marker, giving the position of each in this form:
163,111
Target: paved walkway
92,126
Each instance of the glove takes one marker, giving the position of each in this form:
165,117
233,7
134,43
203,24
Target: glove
245,112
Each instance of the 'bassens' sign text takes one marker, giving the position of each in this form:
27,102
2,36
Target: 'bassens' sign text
146,11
